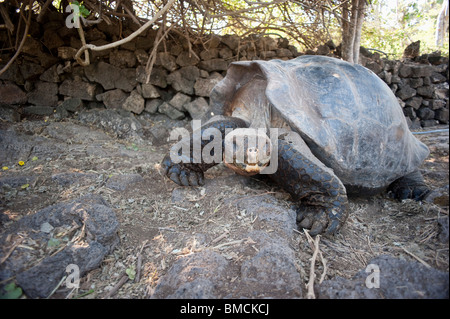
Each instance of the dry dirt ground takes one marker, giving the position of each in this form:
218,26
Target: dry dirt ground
161,223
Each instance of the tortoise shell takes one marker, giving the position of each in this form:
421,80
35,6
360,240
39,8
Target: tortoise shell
349,118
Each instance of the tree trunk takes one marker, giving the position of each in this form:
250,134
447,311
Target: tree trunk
358,29
352,21
442,24
346,34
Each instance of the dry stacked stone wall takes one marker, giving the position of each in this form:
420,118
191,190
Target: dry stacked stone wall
44,80
420,84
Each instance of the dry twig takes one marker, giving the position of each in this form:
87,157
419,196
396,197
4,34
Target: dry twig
43,10
310,286
24,38
416,257
139,261
152,57
86,61
116,288
10,251
127,39
4,14
314,243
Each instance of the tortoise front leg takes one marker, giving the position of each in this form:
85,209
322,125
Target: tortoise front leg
322,197
188,173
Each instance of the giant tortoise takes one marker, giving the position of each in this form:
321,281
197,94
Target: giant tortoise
341,131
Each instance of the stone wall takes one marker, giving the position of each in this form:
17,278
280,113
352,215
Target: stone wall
44,80
420,84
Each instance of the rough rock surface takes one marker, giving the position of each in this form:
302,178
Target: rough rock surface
91,223
398,279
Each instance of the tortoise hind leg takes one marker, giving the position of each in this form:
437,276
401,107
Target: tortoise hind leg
410,186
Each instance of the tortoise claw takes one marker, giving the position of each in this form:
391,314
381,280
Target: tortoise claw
319,220
332,227
306,222
317,228
180,174
195,178
184,178
174,178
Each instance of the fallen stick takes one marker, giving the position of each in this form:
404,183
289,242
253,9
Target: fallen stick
121,282
138,268
139,261
57,286
310,286
231,243
423,262
219,238
323,260
13,247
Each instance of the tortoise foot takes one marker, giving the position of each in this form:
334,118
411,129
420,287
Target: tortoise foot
411,186
319,220
181,174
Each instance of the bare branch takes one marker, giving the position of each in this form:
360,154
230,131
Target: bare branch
133,17
8,23
237,12
43,10
86,61
24,38
100,16
127,39
152,57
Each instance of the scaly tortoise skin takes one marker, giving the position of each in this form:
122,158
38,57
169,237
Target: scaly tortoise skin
321,193
341,125
188,173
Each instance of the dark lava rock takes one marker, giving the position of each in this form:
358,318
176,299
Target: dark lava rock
195,276
398,279
121,182
119,122
89,212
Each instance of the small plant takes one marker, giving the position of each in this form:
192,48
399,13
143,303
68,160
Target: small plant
84,12
11,291
131,272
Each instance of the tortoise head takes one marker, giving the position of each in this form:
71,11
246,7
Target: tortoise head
247,151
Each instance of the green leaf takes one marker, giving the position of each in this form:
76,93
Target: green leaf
82,9
11,291
84,12
53,242
131,272
25,186
133,147
35,158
